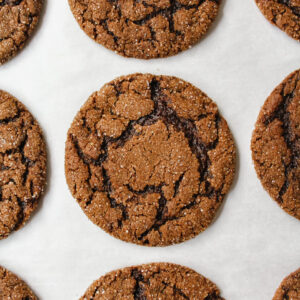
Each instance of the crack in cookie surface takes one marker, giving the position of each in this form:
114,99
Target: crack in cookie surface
153,281
145,29
152,170
18,20
285,14
22,164
276,144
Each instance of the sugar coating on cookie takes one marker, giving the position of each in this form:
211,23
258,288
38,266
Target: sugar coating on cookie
22,164
153,281
12,287
285,14
150,159
276,144
145,29
289,288
18,19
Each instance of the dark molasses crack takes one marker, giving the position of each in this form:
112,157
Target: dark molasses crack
282,114
138,292
295,9
10,2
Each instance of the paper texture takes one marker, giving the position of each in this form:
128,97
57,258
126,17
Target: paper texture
252,244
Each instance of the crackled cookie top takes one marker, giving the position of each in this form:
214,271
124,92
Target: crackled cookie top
153,281
22,164
12,287
289,288
276,144
285,14
150,159
18,18
148,28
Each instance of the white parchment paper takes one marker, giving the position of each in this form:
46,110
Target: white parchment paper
250,247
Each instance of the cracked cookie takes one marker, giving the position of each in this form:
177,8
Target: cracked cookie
145,29
18,19
153,281
150,159
285,14
22,164
289,287
276,144
12,287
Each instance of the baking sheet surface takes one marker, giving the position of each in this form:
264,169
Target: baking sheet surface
252,244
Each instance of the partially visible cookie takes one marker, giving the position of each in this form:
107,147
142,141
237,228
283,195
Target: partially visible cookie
276,144
145,29
150,159
289,288
12,287
285,14
153,281
18,19
22,164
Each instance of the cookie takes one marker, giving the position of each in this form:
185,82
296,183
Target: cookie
145,29
289,288
153,281
276,145
150,159
285,14
18,19
12,287
22,164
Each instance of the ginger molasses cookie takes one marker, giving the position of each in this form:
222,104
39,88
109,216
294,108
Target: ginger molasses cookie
22,164
285,14
18,19
145,29
289,288
153,281
150,159
12,287
276,144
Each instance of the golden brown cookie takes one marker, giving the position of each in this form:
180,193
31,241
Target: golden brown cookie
153,281
276,144
145,29
285,14
22,164
12,287
18,19
150,159
289,288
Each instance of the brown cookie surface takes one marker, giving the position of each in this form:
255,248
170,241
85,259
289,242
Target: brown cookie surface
276,144
285,14
149,159
153,281
12,287
18,18
289,288
22,164
145,29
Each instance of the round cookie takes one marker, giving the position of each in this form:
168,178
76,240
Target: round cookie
22,164
289,288
149,159
153,281
18,19
285,14
12,287
276,144
145,29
